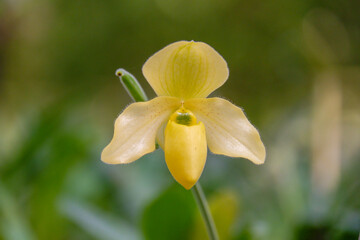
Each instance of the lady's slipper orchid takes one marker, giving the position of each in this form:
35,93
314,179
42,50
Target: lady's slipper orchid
182,120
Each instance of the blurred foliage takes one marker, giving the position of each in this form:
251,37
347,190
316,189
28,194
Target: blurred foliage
59,98
170,216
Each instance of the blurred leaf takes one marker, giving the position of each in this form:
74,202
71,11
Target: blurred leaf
245,234
170,216
39,132
13,224
223,206
326,37
100,225
40,165
64,150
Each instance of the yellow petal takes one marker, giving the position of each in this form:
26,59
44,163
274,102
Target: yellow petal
185,152
186,70
136,128
228,131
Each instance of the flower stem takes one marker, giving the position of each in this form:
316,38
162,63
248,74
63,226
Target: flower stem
205,211
136,92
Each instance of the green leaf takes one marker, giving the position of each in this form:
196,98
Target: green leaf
170,216
12,221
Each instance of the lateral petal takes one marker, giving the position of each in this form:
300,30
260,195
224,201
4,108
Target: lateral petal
228,131
160,136
136,128
186,70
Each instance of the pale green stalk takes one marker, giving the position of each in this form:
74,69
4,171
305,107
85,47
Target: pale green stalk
131,85
205,211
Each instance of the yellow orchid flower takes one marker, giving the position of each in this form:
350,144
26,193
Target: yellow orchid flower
182,120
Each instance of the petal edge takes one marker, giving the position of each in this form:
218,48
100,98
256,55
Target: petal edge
228,131
136,128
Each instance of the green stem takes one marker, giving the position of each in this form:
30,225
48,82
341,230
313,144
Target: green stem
205,211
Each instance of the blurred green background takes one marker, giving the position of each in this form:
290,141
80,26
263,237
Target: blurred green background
294,68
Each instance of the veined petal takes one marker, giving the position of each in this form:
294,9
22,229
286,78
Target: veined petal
186,70
136,128
228,131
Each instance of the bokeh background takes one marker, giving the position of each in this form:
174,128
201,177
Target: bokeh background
294,68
